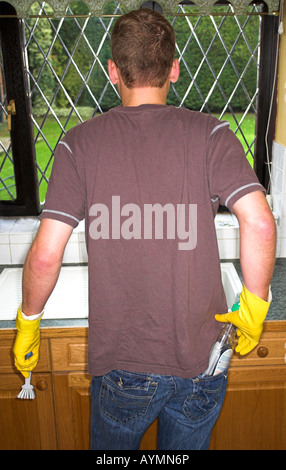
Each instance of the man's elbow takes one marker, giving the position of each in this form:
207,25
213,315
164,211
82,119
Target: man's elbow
266,224
255,217
43,260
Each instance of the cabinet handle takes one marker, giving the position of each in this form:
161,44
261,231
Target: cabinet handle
42,385
262,351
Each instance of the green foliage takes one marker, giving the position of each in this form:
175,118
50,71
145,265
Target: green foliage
213,54
40,70
210,71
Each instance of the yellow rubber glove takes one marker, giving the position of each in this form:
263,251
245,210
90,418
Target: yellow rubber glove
248,320
27,341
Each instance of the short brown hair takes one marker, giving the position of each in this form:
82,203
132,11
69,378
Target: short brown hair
143,48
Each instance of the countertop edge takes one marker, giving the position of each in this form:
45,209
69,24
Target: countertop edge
276,314
63,331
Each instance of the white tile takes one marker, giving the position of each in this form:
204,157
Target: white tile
227,233
20,229
24,225
73,238
281,229
278,188
277,199
71,254
227,230
19,252
278,155
282,248
277,177
278,248
83,257
6,224
18,233
81,237
228,249
4,238
5,254
36,228
21,238
283,204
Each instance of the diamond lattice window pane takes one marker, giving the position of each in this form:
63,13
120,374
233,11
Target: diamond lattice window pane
68,75
69,81
219,68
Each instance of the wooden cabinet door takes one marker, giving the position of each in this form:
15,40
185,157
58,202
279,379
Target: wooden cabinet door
253,416
27,424
72,402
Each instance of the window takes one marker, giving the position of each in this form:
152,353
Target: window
226,65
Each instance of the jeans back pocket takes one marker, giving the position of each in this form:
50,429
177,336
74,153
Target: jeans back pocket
126,396
207,397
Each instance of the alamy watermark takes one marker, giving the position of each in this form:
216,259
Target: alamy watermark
154,221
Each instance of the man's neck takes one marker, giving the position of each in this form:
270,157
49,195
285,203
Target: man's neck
146,95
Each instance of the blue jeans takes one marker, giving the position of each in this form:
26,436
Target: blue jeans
124,404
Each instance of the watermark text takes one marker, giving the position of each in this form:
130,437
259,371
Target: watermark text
154,221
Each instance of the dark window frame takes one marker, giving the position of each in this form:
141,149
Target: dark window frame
22,136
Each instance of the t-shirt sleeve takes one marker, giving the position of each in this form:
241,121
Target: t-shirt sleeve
229,172
65,199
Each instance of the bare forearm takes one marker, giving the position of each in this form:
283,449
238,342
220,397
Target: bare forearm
257,258
38,283
257,243
43,264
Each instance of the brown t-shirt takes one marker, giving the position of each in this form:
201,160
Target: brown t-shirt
148,181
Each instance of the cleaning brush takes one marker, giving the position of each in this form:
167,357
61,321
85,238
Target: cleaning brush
27,392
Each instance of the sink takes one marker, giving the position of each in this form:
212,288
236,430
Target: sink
70,296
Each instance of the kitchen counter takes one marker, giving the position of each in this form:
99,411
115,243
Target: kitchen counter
276,312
